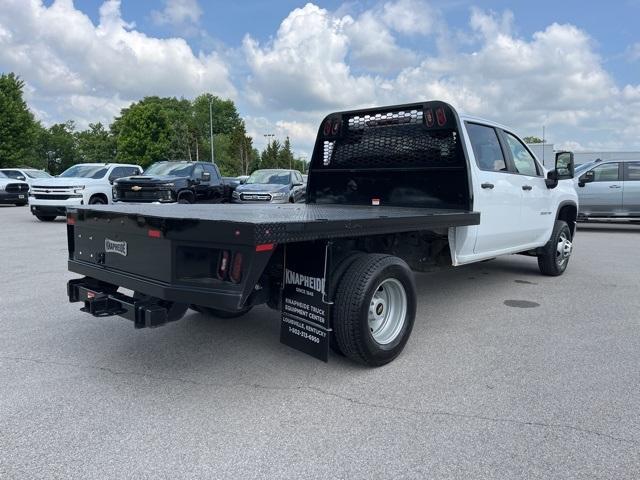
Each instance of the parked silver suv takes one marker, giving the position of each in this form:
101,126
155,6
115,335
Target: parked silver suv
609,189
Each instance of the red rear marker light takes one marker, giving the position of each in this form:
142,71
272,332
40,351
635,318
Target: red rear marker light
71,220
235,274
428,116
223,264
441,117
154,233
336,127
265,247
327,128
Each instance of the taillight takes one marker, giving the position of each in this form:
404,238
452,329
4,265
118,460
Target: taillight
71,220
327,128
223,264
235,274
428,116
441,117
153,233
336,127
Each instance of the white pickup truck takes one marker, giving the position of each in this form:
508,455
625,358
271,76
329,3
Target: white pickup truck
390,190
81,184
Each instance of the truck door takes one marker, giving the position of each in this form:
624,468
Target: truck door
603,195
631,189
536,215
497,194
215,186
201,186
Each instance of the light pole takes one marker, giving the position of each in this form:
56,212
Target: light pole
213,160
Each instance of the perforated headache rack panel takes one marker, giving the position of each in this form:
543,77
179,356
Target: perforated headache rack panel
393,137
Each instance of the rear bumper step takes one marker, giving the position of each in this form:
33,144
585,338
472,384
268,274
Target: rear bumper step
101,303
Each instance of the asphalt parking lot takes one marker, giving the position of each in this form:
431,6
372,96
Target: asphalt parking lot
484,389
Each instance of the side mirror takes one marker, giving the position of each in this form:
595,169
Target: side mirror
206,176
564,169
564,165
587,177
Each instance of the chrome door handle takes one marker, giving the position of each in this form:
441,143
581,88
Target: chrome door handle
614,186
527,187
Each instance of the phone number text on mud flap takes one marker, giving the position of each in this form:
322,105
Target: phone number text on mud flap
305,331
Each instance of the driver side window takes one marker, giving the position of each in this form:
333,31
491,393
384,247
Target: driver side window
197,172
523,160
606,173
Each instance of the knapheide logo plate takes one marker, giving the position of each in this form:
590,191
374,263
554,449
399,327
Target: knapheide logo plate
111,246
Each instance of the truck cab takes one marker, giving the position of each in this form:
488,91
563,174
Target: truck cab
511,190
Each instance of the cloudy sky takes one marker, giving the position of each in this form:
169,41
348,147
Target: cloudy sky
571,66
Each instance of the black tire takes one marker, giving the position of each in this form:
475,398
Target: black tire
343,265
46,218
214,312
550,260
183,200
97,200
352,303
175,311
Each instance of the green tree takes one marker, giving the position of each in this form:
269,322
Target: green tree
18,129
285,155
57,145
269,156
143,133
532,139
95,144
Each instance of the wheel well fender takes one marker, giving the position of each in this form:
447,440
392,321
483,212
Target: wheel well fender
185,194
568,211
103,196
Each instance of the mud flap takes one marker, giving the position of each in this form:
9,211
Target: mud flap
305,323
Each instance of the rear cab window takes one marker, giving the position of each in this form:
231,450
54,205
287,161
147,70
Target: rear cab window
632,171
486,147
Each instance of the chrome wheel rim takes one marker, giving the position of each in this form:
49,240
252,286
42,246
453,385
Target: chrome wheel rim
563,249
387,311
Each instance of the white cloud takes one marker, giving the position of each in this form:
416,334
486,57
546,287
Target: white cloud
373,47
64,56
554,78
633,52
178,13
411,17
304,67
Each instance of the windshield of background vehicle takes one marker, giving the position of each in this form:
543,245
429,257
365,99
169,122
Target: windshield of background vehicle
85,171
269,176
37,174
178,169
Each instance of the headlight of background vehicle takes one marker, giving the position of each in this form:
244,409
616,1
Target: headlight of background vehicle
114,192
78,189
278,195
235,194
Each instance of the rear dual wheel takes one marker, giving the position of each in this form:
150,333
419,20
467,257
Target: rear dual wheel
375,308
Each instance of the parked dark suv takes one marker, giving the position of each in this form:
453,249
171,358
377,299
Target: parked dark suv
175,181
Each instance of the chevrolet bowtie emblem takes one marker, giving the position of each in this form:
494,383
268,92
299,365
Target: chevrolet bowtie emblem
136,188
